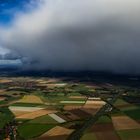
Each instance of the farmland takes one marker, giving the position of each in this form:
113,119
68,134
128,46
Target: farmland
40,108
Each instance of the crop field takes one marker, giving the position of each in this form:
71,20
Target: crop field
28,109
89,136
133,134
80,113
30,130
5,116
94,104
104,119
64,116
121,102
69,116
44,108
133,113
19,113
27,104
35,114
108,135
56,133
70,107
124,123
30,99
104,130
57,118
91,111
72,102
44,119
77,97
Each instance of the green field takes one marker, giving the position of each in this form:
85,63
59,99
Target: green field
57,100
104,119
133,113
129,134
129,107
30,130
120,102
28,104
88,136
46,119
5,116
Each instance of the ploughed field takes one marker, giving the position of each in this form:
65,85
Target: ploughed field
43,108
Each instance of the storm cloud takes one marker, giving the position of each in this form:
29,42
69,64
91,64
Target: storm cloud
71,35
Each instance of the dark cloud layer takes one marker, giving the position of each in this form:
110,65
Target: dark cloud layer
78,35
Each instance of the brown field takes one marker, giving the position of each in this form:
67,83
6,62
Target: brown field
35,114
124,123
63,116
108,135
72,116
104,131
92,106
70,107
68,116
56,133
102,127
30,99
80,113
91,111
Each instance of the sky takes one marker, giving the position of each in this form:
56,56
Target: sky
9,7
72,35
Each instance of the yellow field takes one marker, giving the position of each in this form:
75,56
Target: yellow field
30,99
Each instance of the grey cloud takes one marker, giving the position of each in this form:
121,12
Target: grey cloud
78,35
